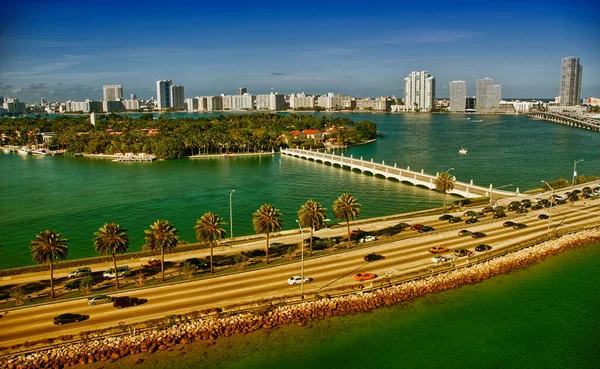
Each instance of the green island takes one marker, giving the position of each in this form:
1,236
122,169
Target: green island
173,138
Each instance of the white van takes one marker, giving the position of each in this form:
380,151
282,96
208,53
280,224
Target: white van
561,197
110,273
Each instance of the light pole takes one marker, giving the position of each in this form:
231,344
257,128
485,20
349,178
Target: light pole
326,220
575,170
550,211
492,191
448,171
231,214
301,261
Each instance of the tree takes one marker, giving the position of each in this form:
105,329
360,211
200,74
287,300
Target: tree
312,214
208,230
347,208
48,247
267,220
112,239
444,183
161,236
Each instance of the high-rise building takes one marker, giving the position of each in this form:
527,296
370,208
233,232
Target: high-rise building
570,81
458,96
480,97
242,90
112,92
491,97
419,91
243,102
163,94
177,98
227,101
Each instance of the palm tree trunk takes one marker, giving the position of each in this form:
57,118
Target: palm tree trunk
116,271
267,259
444,201
162,263
348,225
51,279
310,245
212,269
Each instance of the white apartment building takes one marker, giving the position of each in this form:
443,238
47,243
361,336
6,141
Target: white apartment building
112,92
133,104
243,102
272,101
214,103
419,91
192,103
163,94
458,96
177,97
227,101
379,104
302,101
330,101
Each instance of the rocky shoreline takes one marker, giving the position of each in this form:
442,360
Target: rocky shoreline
188,330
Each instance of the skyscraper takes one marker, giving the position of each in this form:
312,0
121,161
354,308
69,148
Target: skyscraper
481,84
419,91
458,96
163,93
570,81
177,98
112,92
242,90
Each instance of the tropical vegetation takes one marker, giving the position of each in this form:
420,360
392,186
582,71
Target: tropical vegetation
312,214
444,183
162,236
347,208
47,247
267,220
112,239
208,230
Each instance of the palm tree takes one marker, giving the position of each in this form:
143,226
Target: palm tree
112,239
208,230
346,207
444,183
267,220
312,214
161,236
48,247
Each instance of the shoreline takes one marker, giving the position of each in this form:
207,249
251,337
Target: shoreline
185,329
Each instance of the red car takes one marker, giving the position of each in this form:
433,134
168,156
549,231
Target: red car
438,249
364,276
416,227
151,263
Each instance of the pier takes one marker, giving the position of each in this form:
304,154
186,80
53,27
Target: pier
566,120
420,179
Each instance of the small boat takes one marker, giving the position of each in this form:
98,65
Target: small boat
42,152
462,151
24,151
6,150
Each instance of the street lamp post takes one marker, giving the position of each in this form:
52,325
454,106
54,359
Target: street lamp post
448,171
550,211
492,191
575,170
231,214
301,261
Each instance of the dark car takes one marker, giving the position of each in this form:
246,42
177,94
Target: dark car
499,215
426,229
320,244
455,220
357,235
487,209
514,206
499,208
445,217
526,205
314,238
543,216
470,213
483,247
73,285
125,301
561,202
471,221
464,232
537,207
68,318
373,257
519,226
508,223
478,234
197,263
480,215
522,211
256,253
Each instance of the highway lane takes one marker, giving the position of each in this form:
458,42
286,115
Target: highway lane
404,255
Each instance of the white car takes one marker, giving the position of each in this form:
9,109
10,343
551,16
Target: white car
368,239
292,281
100,299
80,272
439,259
110,273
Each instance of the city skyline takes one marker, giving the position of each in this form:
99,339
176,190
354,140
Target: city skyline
334,47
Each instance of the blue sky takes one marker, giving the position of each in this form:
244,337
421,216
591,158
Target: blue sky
66,50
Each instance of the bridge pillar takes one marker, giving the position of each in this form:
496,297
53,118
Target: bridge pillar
437,174
395,166
471,183
371,160
383,162
361,157
350,156
422,171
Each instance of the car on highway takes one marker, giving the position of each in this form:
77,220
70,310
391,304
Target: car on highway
519,226
478,235
561,202
110,273
439,259
471,221
99,299
151,263
514,205
526,204
499,214
80,272
445,217
314,238
470,213
464,232
543,216
364,276
73,285
368,239
203,264
438,249
463,252
483,247
125,301
537,207
416,227
292,281
426,229
522,211
68,318
480,215
499,208
455,220
373,257
487,209
592,195
508,223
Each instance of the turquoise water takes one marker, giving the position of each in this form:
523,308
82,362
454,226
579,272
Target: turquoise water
76,196
544,316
